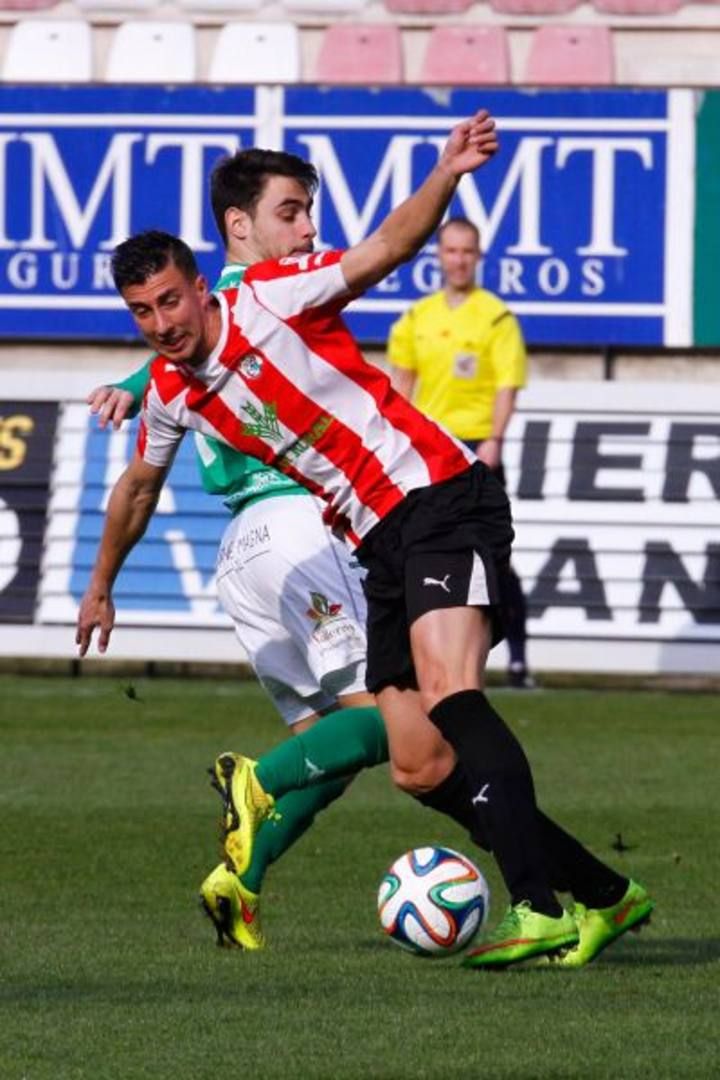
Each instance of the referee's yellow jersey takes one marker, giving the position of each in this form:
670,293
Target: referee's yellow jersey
461,356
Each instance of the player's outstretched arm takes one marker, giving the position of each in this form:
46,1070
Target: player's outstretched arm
408,226
131,505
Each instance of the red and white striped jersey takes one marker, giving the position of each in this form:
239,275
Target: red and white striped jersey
286,383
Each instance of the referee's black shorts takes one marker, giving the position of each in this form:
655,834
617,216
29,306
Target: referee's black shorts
446,545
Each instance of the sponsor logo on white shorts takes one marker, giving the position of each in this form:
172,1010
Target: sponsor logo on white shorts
244,544
331,623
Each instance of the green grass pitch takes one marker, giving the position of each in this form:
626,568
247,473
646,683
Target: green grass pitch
108,971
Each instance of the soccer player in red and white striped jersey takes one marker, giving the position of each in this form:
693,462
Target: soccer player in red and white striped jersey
271,369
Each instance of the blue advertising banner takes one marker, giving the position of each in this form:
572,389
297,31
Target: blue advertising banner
585,214
82,169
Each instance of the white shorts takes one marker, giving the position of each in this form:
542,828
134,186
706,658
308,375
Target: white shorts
295,596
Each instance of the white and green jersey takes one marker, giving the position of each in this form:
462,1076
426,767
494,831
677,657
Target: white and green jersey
224,471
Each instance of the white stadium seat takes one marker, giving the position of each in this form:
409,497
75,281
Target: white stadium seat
254,52
152,52
229,7
57,51
324,7
125,8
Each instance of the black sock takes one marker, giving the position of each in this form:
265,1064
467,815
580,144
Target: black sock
571,867
504,796
453,797
574,869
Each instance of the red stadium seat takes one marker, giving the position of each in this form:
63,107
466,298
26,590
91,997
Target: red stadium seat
638,7
462,55
428,7
360,54
534,7
26,5
570,56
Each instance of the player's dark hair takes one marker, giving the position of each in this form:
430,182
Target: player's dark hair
463,223
147,253
239,180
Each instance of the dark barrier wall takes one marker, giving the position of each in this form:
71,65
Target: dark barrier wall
27,433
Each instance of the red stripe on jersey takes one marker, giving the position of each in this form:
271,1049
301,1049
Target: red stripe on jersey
272,269
170,380
142,437
338,443
226,423
332,341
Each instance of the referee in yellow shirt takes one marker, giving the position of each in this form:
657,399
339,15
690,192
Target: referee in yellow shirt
460,357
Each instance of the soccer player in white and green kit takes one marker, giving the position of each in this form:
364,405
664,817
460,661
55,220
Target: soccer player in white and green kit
295,598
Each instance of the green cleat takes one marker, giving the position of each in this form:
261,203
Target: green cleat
523,933
246,805
599,927
233,909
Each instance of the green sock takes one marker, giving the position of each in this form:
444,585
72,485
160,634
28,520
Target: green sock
297,812
339,744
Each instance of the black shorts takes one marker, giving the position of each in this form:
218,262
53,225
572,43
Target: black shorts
446,545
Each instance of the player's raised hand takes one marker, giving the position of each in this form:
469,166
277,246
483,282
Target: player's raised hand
471,144
110,404
96,612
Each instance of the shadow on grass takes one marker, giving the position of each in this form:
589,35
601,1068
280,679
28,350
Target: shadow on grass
672,952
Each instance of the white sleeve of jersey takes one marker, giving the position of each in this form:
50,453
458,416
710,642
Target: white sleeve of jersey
159,436
300,283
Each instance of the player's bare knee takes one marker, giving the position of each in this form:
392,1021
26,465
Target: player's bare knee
423,778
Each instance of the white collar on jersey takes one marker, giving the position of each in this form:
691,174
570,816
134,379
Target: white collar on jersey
224,330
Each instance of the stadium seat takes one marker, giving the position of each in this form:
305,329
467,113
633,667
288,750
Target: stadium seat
638,7
366,54
534,7
428,7
254,52
324,7
461,55
152,52
26,5
230,7
570,56
58,51
127,6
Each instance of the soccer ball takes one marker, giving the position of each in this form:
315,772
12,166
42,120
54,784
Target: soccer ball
432,901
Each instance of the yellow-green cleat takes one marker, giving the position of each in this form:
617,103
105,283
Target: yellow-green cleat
246,805
521,934
233,909
599,927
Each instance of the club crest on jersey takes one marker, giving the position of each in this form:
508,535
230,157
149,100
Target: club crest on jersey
251,366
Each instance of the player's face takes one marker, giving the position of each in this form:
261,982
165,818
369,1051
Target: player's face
458,253
280,224
170,312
